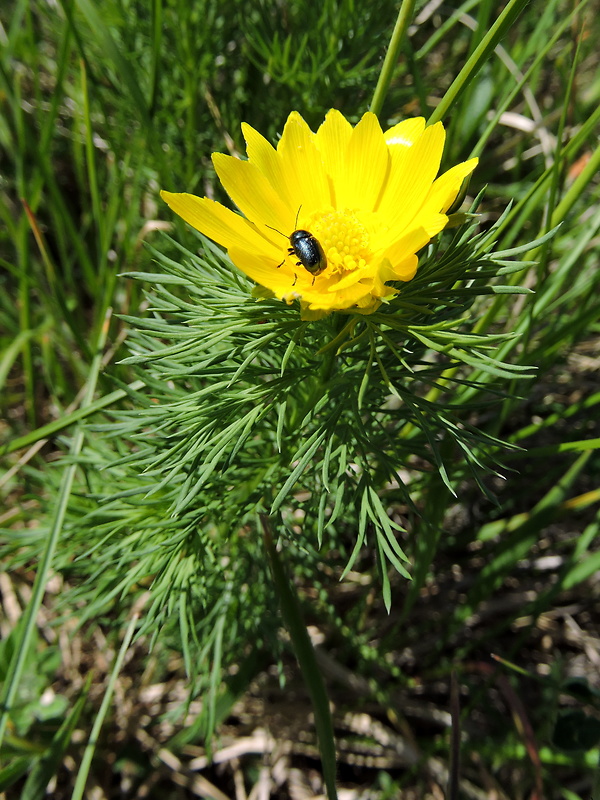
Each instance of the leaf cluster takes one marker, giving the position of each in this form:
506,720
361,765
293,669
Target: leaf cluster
247,409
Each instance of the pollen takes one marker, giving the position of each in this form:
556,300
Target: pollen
344,239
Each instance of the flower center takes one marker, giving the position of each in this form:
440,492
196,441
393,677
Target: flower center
344,239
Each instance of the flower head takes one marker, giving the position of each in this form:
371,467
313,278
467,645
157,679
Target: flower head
360,202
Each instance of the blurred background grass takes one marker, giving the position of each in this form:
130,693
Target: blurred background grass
102,104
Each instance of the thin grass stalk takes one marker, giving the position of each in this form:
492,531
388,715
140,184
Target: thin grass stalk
508,226
544,250
552,419
49,120
440,32
558,161
25,320
92,175
484,13
157,23
454,772
515,544
90,748
65,227
429,531
420,86
478,59
559,215
60,424
12,351
24,261
553,450
548,295
404,19
575,191
112,53
58,301
504,105
16,24
28,620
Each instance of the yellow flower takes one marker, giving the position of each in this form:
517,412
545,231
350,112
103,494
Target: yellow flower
367,202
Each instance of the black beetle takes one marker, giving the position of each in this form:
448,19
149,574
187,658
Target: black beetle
307,250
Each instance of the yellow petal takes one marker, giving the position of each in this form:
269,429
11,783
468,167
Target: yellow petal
268,161
413,171
432,223
303,169
351,278
261,269
445,189
332,140
219,223
354,294
251,191
412,241
367,163
405,133
308,314
328,302
401,271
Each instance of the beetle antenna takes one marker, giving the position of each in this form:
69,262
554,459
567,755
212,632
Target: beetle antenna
297,215
276,231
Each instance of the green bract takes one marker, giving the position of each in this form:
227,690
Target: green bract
327,426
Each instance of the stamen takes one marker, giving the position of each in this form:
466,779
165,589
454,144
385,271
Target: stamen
344,239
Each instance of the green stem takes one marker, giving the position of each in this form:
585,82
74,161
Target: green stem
338,340
341,329
478,58
305,654
430,528
405,16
